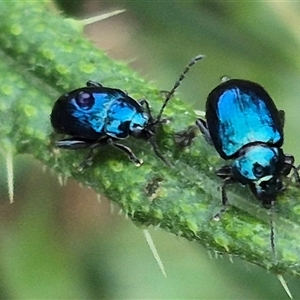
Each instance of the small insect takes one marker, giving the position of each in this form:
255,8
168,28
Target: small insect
243,124
96,115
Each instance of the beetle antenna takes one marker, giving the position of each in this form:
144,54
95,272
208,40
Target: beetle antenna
177,84
272,234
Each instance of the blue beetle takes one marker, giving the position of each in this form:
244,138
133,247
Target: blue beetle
96,115
243,124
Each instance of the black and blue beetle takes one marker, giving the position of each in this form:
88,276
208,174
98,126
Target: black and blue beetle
243,124
96,115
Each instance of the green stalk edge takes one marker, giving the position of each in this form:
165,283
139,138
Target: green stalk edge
47,55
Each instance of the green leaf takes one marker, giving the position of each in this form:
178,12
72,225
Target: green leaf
48,55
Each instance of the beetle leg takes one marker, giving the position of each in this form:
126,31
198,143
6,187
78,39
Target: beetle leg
78,143
225,202
164,93
126,150
224,172
89,158
145,104
289,165
204,130
226,175
74,143
185,137
93,83
153,143
296,173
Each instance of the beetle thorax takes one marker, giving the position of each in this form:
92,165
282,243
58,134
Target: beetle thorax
257,163
138,125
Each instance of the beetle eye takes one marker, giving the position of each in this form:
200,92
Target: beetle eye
85,100
258,170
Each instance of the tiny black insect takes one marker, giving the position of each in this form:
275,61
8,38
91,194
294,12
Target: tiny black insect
96,115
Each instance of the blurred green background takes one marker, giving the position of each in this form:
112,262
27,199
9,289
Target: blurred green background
61,242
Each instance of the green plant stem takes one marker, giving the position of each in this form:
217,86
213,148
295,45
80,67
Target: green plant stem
46,55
